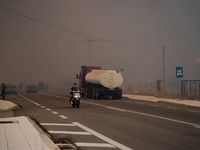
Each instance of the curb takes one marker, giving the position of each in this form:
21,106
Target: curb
181,105
30,136
43,136
7,105
175,102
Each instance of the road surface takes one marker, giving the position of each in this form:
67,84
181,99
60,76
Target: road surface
111,124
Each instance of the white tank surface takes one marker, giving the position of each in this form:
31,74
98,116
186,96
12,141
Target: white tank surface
108,78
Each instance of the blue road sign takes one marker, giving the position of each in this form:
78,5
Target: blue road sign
179,72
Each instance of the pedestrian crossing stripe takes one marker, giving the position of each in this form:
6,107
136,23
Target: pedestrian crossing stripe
56,124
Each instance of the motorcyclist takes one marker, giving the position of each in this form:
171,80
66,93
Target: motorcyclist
72,90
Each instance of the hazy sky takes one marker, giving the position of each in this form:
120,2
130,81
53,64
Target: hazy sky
47,40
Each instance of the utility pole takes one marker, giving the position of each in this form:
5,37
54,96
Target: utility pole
163,63
90,49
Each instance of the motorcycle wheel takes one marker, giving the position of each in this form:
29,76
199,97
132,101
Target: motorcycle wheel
77,104
73,105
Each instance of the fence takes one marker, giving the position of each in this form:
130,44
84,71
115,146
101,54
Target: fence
190,88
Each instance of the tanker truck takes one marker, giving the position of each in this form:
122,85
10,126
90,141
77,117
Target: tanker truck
97,83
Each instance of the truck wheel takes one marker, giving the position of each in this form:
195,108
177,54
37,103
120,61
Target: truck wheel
113,97
119,97
116,97
88,94
94,93
97,94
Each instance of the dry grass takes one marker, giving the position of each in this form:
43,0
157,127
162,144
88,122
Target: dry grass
166,94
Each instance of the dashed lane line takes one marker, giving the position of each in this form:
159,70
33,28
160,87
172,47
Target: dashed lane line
48,109
130,111
63,117
112,143
54,112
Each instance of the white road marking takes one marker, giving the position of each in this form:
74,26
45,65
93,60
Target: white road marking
198,126
118,109
56,124
25,98
37,104
139,113
78,144
69,132
149,115
63,117
171,107
195,111
112,142
154,105
54,112
42,106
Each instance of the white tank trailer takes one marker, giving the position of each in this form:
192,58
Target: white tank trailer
107,78
97,83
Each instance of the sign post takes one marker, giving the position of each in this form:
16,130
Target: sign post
179,75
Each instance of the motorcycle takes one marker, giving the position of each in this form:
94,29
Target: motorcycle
75,100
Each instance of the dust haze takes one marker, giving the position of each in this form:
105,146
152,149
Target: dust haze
48,40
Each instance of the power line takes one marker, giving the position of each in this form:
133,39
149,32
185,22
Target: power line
44,23
40,41
161,4
163,35
75,33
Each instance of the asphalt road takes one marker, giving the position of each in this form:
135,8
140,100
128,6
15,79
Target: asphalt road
111,124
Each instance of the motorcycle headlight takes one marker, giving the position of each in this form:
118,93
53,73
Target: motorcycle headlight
76,95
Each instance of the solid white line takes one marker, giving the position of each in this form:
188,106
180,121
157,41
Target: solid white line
149,115
154,105
63,117
54,112
112,142
56,124
194,111
94,145
118,109
70,132
171,108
